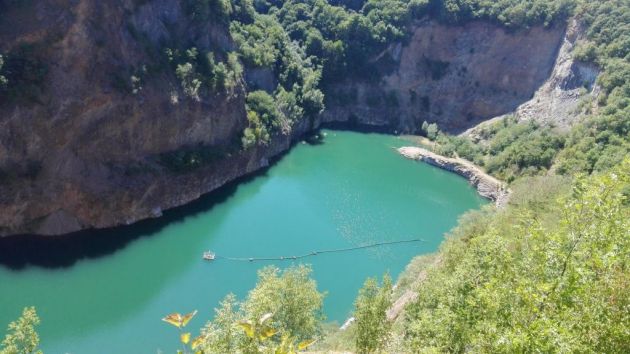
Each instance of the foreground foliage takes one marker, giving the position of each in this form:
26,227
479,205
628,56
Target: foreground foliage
370,315
281,315
522,281
21,337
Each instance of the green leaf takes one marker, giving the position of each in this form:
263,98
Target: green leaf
248,328
305,344
185,337
267,332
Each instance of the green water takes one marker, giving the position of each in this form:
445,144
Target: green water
352,189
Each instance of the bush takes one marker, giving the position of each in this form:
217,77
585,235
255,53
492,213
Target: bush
189,79
201,75
22,337
287,302
373,327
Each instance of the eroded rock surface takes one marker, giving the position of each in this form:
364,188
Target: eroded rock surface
557,101
562,99
456,76
86,152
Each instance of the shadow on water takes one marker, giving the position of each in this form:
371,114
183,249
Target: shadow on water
20,251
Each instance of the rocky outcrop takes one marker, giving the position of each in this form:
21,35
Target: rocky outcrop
564,96
487,186
456,76
557,101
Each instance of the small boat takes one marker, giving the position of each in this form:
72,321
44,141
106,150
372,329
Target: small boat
209,256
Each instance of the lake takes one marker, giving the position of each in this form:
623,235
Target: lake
106,291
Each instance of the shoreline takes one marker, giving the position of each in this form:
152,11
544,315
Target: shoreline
487,186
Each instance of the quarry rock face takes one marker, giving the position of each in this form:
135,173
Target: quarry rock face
456,76
557,101
88,148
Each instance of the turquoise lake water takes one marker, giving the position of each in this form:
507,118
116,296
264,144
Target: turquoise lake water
107,294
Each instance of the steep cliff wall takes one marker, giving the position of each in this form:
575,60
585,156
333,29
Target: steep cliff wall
457,76
85,150
557,101
93,148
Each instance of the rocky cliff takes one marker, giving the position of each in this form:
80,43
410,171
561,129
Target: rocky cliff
87,148
103,136
557,102
456,76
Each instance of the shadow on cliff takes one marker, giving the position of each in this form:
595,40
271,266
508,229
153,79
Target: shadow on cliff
20,251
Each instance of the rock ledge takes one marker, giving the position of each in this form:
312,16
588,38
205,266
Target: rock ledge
487,186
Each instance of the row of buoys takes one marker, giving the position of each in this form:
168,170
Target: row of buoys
314,253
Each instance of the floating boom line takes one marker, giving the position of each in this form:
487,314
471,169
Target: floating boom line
315,253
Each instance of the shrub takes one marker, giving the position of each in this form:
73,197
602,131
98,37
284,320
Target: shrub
430,130
283,302
22,337
373,327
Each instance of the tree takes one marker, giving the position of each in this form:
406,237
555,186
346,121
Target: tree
202,10
264,118
282,314
221,335
288,104
243,10
430,130
292,297
373,327
22,337
312,97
